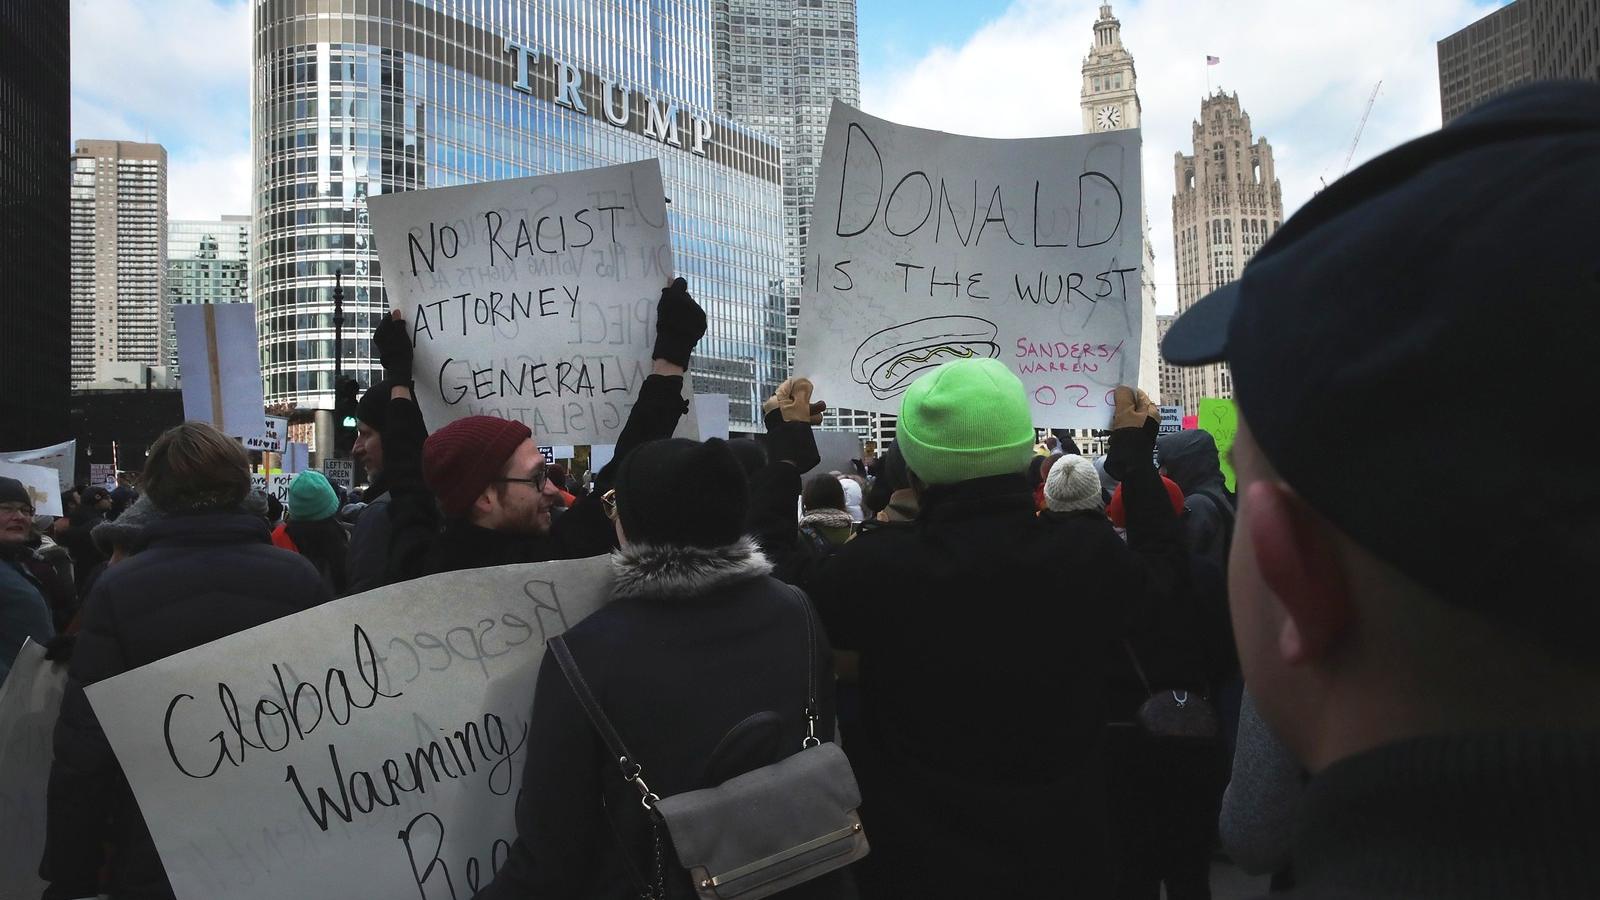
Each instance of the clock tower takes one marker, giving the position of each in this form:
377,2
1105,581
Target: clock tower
1109,98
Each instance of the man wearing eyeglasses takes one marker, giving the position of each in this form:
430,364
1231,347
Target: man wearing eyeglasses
487,478
23,612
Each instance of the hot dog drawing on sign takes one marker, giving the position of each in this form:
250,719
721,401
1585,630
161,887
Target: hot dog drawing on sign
889,360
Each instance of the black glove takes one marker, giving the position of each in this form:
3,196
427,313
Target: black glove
59,648
791,442
680,324
393,345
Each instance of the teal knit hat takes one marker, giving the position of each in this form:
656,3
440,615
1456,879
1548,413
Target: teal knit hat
311,497
966,419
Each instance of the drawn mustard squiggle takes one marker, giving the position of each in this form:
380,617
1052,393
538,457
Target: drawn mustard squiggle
911,358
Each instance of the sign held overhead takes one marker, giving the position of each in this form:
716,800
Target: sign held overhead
928,247
532,299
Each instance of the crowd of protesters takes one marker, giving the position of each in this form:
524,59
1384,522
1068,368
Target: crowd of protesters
1042,666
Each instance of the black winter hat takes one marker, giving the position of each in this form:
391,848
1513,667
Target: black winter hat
679,492
373,407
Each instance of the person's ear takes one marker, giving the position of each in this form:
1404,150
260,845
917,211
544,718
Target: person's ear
1296,554
486,503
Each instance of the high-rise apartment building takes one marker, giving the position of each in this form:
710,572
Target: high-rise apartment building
119,255
1109,99
1226,202
354,98
1485,59
208,261
1523,41
35,255
779,65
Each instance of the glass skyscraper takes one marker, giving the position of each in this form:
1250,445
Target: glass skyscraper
35,254
359,97
208,261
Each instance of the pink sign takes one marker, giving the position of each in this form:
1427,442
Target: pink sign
1190,423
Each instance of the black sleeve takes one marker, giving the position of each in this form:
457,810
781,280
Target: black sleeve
414,518
585,530
83,774
654,416
771,518
560,822
1162,577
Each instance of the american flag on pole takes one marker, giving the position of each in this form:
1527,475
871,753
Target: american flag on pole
1213,60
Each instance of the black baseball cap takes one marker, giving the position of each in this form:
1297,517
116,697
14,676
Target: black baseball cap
1412,349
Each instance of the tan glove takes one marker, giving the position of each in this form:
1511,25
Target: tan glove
1133,408
793,399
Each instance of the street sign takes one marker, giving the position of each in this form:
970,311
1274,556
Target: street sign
339,471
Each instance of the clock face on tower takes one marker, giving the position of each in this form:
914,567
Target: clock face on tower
1108,117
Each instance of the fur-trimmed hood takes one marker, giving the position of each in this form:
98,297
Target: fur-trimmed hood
654,570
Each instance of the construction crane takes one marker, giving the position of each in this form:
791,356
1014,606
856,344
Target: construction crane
1360,127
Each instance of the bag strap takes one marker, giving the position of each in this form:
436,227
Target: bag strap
1138,669
811,739
631,772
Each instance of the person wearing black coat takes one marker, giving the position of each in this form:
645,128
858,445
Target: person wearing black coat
208,570
987,635
701,664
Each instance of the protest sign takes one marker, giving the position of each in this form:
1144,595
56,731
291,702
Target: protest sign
221,363
62,457
549,454
273,430
276,484
295,457
42,484
711,414
371,747
1171,420
927,247
103,474
531,299
1221,418
29,701
1190,423
339,471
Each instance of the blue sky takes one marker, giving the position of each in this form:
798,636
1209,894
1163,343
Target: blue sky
1303,70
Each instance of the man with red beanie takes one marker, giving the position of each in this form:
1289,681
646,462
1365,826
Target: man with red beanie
486,476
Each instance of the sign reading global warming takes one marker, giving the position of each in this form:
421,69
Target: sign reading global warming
369,747
928,247
532,299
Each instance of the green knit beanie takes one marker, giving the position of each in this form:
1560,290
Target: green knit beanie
311,497
966,419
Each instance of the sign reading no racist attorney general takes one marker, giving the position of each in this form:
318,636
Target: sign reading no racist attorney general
532,299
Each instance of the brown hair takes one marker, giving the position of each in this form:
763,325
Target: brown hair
196,468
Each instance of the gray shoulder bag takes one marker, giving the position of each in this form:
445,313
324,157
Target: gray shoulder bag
758,833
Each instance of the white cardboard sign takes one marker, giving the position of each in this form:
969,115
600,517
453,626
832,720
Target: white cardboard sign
62,457
41,483
531,299
339,471
30,698
276,485
273,428
927,247
369,747
221,363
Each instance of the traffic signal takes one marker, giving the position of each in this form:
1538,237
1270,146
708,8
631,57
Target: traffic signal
346,412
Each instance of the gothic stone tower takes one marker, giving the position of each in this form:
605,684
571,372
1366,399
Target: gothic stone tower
1110,100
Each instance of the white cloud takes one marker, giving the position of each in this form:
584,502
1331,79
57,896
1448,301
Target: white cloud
1303,72
177,73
